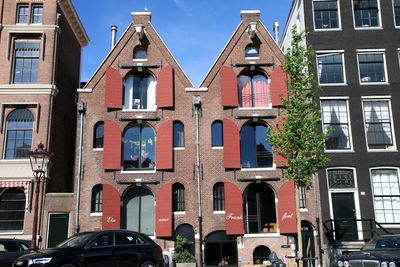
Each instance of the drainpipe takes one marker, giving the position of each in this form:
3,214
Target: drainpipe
81,110
197,107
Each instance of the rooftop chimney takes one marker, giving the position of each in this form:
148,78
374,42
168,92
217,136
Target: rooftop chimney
275,28
114,30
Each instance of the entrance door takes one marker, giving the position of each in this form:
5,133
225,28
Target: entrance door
344,214
58,228
221,250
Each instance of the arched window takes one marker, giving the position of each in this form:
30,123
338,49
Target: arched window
254,90
138,148
140,91
140,52
97,198
19,134
259,209
98,135
178,197
216,134
254,150
179,134
12,209
260,254
186,231
219,197
138,210
251,51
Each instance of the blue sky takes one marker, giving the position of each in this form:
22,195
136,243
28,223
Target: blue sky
195,31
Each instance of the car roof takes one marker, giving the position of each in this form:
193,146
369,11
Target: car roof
14,239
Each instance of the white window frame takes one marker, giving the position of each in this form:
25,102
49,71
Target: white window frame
351,149
320,53
346,190
130,101
372,51
379,98
339,17
394,16
372,190
367,28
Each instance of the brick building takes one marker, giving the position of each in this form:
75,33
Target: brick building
161,157
40,48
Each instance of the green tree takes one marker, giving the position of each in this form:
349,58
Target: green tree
182,254
297,137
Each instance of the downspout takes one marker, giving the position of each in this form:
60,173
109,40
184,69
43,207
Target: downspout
81,111
197,106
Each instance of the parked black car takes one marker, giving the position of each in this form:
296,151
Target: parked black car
105,248
382,251
11,249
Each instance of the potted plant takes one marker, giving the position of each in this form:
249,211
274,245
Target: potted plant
182,257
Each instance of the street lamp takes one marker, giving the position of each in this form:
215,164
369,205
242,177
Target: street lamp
39,159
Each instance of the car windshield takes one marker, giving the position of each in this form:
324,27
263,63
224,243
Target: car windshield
383,242
75,241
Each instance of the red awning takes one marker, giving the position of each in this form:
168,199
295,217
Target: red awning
233,209
111,208
164,211
287,208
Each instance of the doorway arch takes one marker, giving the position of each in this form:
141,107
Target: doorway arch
220,249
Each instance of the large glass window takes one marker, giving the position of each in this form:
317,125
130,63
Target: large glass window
330,68
254,150
378,124
97,198
37,14
366,13
12,209
219,197
386,190
140,92
178,197
26,61
259,209
179,134
22,14
372,67
326,14
138,148
336,120
254,90
19,134
396,7
138,210
216,134
98,135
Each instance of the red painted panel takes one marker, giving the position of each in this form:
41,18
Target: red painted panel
229,87
231,145
111,208
233,209
165,87
112,146
164,150
114,88
164,211
287,208
278,86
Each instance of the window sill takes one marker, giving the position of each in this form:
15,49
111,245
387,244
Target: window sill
332,84
258,169
374,83
219,212
251,58
382,150
262,235
255,108
339,151
96,214
179,148
98,149
303,210
139,59
138,172
217,147
12,233
139,110
179,212
21,161
328,30
368,28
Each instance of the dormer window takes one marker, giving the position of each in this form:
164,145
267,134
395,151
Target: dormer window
139,53
251,51
140,92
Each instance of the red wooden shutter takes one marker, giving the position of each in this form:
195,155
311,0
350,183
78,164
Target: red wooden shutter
164,150
114,88
111,208
231,145
287,208
233,209
164,211
112,146
278,86
229,87
165,88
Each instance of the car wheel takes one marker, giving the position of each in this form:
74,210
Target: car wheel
148,264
